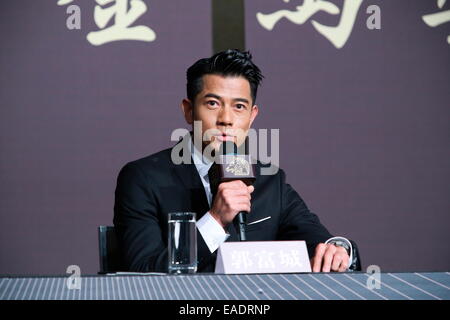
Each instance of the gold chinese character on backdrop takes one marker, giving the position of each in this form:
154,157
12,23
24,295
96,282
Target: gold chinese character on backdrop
337,35
438,18
121,28
123,18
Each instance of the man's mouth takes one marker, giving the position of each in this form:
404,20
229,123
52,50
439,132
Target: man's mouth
224,137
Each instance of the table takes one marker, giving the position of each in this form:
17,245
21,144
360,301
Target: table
305,286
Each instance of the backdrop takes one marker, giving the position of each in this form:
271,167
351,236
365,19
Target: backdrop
360,95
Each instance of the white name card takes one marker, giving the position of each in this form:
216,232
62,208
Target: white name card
262,257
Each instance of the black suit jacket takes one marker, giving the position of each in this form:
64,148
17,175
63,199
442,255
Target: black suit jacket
151,187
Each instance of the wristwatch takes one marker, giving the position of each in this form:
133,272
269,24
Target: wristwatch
341,243
352,251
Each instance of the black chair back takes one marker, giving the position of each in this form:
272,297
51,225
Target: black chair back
109,252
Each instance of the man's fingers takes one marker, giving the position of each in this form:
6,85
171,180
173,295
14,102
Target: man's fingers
242,200
340,259
236,189
344,260
228,192
241,207
317,259
233,196
344,265
235,184
337,261
241,192
328,258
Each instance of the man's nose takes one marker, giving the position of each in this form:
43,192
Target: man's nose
225,117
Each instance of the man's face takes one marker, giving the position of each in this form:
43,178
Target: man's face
225,108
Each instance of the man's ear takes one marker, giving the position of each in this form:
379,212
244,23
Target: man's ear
253,114
188,110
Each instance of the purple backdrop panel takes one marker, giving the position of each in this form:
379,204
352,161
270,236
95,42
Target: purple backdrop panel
72,114
364,129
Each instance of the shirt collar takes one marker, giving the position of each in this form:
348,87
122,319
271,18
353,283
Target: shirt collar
203,164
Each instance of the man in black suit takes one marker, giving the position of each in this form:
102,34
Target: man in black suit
221,94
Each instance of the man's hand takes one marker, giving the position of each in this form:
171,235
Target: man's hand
231,198
329,257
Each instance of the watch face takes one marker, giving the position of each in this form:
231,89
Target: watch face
341,244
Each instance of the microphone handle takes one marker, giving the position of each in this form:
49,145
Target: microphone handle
242,220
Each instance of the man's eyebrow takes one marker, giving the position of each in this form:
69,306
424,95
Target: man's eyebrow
242,100
215,96
212,95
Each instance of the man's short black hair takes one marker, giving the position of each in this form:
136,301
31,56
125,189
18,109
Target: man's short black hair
231,62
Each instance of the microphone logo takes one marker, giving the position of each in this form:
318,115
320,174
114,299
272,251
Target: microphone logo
239,167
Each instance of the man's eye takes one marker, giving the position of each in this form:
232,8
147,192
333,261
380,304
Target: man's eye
211,103
240,106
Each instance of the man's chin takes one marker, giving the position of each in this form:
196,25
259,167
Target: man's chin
212,145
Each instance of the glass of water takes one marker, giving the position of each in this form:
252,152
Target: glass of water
182,250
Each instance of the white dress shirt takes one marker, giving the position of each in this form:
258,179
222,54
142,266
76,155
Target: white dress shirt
212,232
